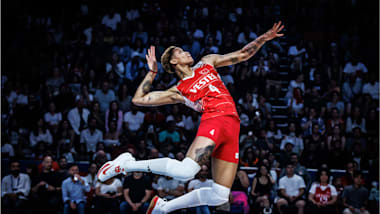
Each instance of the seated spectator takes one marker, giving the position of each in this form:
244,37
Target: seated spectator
169,188
62,172
111,138
261,190
336,135
116,65
334,120
134,65
104,96
134,119
335,103
201,181
55,81
296,140
291,188
107,196
65,133
355,67
137,190
249,157
7,150
91,177
40,134
98,115
111,19
52,118
372,122
298,169
351,87
239,190
372,87
285,154
322,195
308,121
297,83
124,98
296,102
78,116
46,188
355,196
263,143
15,189
114,114
170,134
355,120
88,97
91,136
73,192
298,50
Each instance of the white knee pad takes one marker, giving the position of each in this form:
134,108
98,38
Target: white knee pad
213,196
180,170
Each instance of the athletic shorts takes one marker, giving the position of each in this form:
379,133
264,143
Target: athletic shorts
224,131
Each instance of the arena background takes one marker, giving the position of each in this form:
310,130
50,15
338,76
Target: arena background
59,51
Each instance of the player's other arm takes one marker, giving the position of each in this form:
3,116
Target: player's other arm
143,96
246,52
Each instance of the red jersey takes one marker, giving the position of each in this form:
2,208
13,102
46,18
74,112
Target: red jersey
323,194
205,92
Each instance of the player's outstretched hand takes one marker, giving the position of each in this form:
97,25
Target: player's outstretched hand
151,59
274,31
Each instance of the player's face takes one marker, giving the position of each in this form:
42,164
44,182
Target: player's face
182,57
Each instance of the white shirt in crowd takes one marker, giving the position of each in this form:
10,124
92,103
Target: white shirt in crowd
111,188
323,188
45,137
91,181
197,184
132,14
165,184
8,148
134,120
372,90
296,141
293,51
292,184
11,184
349,68
18,98
74,118
53,119
91,139
111,22
190,124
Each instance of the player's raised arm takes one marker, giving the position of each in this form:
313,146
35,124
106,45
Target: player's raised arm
143,96
247,51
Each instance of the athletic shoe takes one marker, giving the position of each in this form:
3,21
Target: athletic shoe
115,167
155,205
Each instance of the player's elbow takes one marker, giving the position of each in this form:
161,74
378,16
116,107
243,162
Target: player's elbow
137,101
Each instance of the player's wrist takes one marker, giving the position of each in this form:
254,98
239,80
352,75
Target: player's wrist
152,71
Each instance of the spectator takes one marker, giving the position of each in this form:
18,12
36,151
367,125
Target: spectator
111,19
169,188
52,118
134,119
249,157
308,121
114,114
137,192
99,116
372,88
335,103
350,88
91,177
239,190
201,181
62,172
104,96
133,67
292,137
335,120
322,195
124,98
336,135
355,120
91,136
355,67
291,188
40,134
296,102
107,196
111,138
46,188
169,135
261,190
297,83
355,196
15,189
73,192
298,169
78,116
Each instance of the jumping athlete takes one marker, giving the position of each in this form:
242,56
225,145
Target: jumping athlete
201,88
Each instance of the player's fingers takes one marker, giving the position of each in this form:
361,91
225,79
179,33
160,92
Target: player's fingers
148,51
146,57
280,29
153,51
279,35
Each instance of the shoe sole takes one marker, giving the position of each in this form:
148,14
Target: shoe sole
152,204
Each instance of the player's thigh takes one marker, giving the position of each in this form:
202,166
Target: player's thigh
201,149
223,172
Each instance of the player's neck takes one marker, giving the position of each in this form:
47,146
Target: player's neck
184,71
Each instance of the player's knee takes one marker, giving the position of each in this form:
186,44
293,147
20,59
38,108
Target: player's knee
221,194
185,170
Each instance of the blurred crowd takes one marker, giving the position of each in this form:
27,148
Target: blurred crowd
306,101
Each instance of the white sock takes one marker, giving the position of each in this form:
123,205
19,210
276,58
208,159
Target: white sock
212,196
181,170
